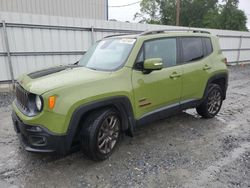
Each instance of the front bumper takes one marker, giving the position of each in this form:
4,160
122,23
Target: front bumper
38,139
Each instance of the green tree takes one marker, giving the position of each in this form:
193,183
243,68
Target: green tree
149,12
195,13
167,10
231,17
212,18
164,11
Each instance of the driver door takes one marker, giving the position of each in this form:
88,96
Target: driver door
160,89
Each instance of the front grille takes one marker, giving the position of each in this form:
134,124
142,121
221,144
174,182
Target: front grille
22,97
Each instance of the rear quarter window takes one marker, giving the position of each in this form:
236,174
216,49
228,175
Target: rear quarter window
208,45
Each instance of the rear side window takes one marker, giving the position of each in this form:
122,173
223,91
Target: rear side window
192,48
162,48
209,47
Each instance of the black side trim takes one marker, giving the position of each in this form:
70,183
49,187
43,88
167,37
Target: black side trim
190,104
167,111
121,103
158,114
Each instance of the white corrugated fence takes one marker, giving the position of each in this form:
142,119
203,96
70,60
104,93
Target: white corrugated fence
38,41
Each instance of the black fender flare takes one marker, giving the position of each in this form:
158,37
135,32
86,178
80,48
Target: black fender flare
121,103
216,77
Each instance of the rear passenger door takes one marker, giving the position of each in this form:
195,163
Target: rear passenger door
196,66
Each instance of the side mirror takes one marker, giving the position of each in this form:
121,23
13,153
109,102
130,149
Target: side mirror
152,64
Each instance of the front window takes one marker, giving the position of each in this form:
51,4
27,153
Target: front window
165,49
108,54
162,48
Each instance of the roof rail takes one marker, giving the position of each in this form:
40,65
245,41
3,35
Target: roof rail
166,30
117,35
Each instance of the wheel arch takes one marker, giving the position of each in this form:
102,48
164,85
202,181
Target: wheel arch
221,79
122,104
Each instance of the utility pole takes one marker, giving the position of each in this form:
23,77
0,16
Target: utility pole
177,12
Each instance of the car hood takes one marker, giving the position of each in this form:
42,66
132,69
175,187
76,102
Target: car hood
53,78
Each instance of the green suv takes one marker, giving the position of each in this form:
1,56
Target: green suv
119,83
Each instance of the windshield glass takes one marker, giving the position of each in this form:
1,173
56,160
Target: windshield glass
108,54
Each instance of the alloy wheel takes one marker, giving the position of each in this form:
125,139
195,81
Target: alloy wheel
214,101
108,134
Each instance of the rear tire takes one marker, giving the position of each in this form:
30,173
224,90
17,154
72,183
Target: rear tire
212,103
100,134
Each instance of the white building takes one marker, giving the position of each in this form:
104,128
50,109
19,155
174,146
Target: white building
93,9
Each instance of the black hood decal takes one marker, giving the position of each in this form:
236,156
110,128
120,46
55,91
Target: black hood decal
49,71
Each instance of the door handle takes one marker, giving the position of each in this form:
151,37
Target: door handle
175,75
207,67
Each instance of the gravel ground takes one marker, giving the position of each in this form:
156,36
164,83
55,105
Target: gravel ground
180,151
5,101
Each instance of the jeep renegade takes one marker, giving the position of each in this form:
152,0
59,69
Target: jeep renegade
120,82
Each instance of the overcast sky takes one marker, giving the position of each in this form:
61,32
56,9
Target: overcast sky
127,13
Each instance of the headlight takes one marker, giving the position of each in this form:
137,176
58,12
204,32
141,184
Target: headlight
38,103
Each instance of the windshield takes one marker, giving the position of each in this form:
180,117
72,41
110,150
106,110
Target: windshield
108,54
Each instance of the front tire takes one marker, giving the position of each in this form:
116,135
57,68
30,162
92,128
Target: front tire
100,134
212,104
